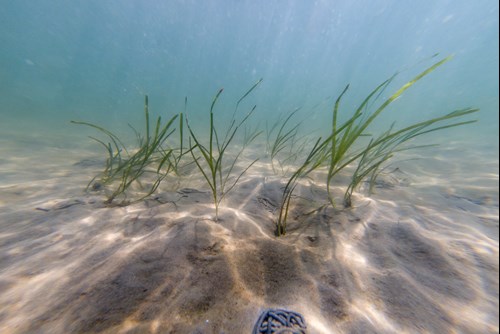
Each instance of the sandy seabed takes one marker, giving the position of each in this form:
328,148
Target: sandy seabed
419,256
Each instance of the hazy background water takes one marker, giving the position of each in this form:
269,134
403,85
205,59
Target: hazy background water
95,59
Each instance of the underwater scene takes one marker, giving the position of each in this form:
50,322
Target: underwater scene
219,166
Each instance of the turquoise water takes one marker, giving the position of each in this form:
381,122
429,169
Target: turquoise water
94,60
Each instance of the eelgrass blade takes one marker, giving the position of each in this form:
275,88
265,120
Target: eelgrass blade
146,112
181,132
212,128
386,145
208,157
245,95
137,135
250,135
401,90
214,172
310,163
282,139
342,142
227,190
116,141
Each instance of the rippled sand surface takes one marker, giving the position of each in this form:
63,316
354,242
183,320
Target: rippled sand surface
419,256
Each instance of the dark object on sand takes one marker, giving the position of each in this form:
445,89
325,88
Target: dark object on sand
280,321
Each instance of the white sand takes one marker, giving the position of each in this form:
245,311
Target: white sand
419,256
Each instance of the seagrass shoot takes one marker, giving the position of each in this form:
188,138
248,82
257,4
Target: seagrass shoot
211,157
338,150
146,166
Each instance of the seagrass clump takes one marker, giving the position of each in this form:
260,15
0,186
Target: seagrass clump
146,166
338,150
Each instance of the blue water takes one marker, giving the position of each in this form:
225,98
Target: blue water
94,60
